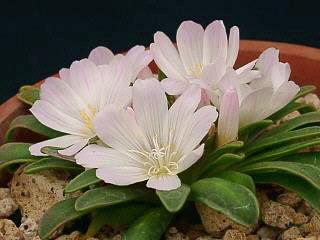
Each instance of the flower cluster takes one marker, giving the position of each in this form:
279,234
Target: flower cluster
116,116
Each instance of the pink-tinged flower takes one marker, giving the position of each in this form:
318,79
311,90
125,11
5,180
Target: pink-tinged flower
149,142
202,57
138,57
70,104
268,93
228,124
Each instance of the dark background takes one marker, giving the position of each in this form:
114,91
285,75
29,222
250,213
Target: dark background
38,38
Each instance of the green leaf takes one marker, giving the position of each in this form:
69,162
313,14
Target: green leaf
83,180
12,151
308,172
291,107
15,161
151,226
52,163
117,216
29,94
281,139
238,177
279,152
54,152
254,129
312,158
227,148
304,90
174,200
61,213
161,75
31,123
292,183
231,199
224,162
308,118
108,196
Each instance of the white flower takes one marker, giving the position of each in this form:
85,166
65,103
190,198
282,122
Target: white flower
70,104
203,57
149,142
228,124
138,57
269,93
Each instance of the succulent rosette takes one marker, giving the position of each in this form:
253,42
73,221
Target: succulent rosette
141,141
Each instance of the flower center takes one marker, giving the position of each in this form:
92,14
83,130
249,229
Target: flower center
87,116
160,160
195,70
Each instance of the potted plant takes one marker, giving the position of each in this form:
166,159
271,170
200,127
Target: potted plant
192,145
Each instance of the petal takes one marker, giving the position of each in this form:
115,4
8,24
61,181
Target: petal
213,73
145,73
233,47
166,56
190,45
203,120
101,55
52,117
164,183
58,93
122,175
75,148
228,125
60,142
85,80
95,156
118,129
190,159
181,114
253,107
285,93
215,42
267,59
280,73
139,58
116,78
151,109
174,86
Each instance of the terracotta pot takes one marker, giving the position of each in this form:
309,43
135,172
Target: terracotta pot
304,61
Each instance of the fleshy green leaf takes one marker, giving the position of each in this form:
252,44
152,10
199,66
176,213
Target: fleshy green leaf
280,152
61,213
83,180
29,94
31,123
304,90
117,216
312,158
254,129
52,163
224,162
238,177
227,148
233,200
151,226
12,151
174,200
291,107
108,196
281,139
312,118
308,172
14,162
293,183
